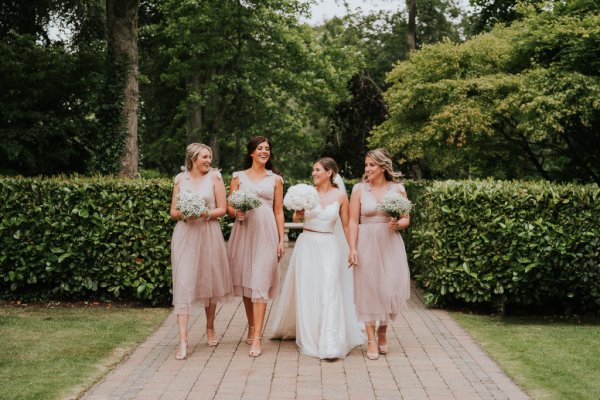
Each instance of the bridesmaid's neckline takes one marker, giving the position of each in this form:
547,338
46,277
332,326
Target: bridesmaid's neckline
370,189
196,183
268,173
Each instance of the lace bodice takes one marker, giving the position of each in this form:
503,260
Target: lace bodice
322,219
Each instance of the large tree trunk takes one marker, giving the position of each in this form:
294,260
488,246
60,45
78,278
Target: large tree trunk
122,18
411,29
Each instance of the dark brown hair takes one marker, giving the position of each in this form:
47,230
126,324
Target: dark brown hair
330,165
251,146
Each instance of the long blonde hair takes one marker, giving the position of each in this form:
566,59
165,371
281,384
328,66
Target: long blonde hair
382,158
192,152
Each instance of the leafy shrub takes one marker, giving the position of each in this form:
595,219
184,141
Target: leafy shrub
81,238
521,244
100,238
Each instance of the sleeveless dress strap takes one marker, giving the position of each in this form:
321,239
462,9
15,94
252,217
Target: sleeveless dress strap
178,178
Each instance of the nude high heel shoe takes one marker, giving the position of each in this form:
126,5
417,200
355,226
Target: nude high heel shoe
383,348
372,356
182,353
211,342
254,351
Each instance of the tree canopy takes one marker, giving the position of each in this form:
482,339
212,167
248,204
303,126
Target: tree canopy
240,69
518,101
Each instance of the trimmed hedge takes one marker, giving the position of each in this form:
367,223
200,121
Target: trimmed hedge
527,245
477,243
88,238
98,238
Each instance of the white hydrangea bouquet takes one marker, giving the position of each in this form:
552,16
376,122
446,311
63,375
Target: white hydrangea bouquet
301,197
244,201
191,204
395,205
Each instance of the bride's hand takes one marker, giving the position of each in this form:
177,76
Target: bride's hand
353,258
299,214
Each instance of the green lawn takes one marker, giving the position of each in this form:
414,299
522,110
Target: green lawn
53,353
549,358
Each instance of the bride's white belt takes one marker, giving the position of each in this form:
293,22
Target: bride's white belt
307,230
320,226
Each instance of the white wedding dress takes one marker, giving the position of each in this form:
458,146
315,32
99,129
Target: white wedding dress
316,302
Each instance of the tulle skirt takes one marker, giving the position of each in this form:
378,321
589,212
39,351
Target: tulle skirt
382,278
252,253
315,305
200,267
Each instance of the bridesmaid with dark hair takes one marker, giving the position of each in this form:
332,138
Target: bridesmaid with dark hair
198,254
256,245
381,275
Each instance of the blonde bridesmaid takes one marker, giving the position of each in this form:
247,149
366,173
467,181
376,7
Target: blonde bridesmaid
256,245
198,254
381,275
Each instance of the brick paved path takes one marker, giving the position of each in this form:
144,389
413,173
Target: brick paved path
430,357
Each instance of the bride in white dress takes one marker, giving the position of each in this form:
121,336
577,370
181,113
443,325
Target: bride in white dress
316,302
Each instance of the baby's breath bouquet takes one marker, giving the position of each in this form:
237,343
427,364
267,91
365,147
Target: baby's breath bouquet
191,204
301,197
395,205
244,201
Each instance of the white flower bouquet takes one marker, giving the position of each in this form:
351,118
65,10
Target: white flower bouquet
191,204
301,197
395,205
244,201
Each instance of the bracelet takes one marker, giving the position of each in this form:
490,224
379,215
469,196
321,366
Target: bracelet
207,218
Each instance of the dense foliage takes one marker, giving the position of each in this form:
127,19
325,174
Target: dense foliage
471,242
516,102
88,238
232,70
378,41
526,245
51,93
94,238
212,71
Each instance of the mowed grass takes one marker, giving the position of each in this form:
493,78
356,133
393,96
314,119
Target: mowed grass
551,358
54,353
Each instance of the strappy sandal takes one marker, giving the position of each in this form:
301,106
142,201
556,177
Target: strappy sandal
182,354
372,356
254,352
213,342
383,348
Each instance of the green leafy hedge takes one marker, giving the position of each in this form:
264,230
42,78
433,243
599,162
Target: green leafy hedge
471,242
519,244
88,238
100,238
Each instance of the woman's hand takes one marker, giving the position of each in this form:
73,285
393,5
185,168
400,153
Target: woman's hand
240,215
398,224
353,258
280,250
299,214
